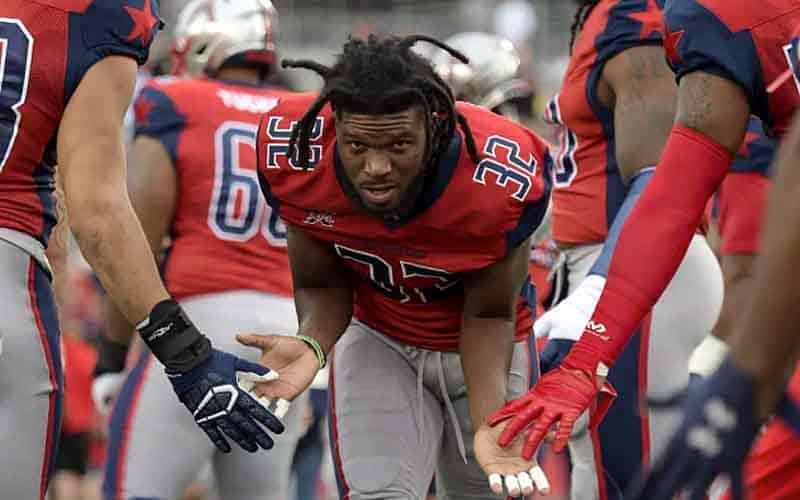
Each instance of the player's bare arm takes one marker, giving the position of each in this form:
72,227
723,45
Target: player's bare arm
324,302
640,88
152,188
738,270
91,159
715,107
488,322
760,340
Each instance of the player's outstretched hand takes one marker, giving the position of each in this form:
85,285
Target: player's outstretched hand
289,356
717,431
558,399
216,394
507,471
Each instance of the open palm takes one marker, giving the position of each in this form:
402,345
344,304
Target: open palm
505,467
295,363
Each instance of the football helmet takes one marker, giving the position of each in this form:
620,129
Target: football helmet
491,79
210,33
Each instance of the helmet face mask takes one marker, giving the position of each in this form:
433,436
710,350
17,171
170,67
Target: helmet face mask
210,33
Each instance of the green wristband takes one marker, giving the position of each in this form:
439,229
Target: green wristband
314,345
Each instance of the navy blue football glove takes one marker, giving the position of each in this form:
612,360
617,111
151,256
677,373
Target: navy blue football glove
219,404
214,385
718,429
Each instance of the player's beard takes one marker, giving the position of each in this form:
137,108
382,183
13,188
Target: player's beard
407,202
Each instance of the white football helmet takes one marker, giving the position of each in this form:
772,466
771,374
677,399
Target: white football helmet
210,32
492,77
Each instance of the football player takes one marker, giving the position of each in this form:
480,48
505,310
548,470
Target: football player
725,55
193,178
409,218
614,111
67,71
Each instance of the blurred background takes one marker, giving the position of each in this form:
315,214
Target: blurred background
317,28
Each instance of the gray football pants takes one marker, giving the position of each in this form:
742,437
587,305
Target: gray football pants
653,367
399,413
31,379
155,447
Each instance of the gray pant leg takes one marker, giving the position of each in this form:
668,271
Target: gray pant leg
385,445
456,480
31,382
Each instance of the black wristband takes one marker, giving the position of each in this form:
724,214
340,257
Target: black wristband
110,356
173,339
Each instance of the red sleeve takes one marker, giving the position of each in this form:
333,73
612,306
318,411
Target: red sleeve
652,243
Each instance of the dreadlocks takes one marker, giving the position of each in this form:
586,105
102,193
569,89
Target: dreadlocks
384,76
580,18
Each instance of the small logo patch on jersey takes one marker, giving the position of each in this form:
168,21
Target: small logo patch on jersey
326,219
671,41
597,329
143,22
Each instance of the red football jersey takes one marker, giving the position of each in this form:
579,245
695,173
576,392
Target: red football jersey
742,197
588,187
223,235
46,47
407,272
745,41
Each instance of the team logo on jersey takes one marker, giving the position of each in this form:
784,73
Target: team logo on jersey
327,219
143,22
597,329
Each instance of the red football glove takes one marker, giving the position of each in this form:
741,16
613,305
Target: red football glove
560,397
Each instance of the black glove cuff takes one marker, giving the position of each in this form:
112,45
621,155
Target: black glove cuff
110,356
173,339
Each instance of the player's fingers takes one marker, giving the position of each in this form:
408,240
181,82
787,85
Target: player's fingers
666,477
496,484
536,434
539,479
263,342
525,483
512,485
517,424
247,380
258,409
507,411
252,430
563,432
231,430
216,437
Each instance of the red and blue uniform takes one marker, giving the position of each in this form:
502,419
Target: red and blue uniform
408,305
223,235
742,196
588,188
408,271
748,43
46,48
